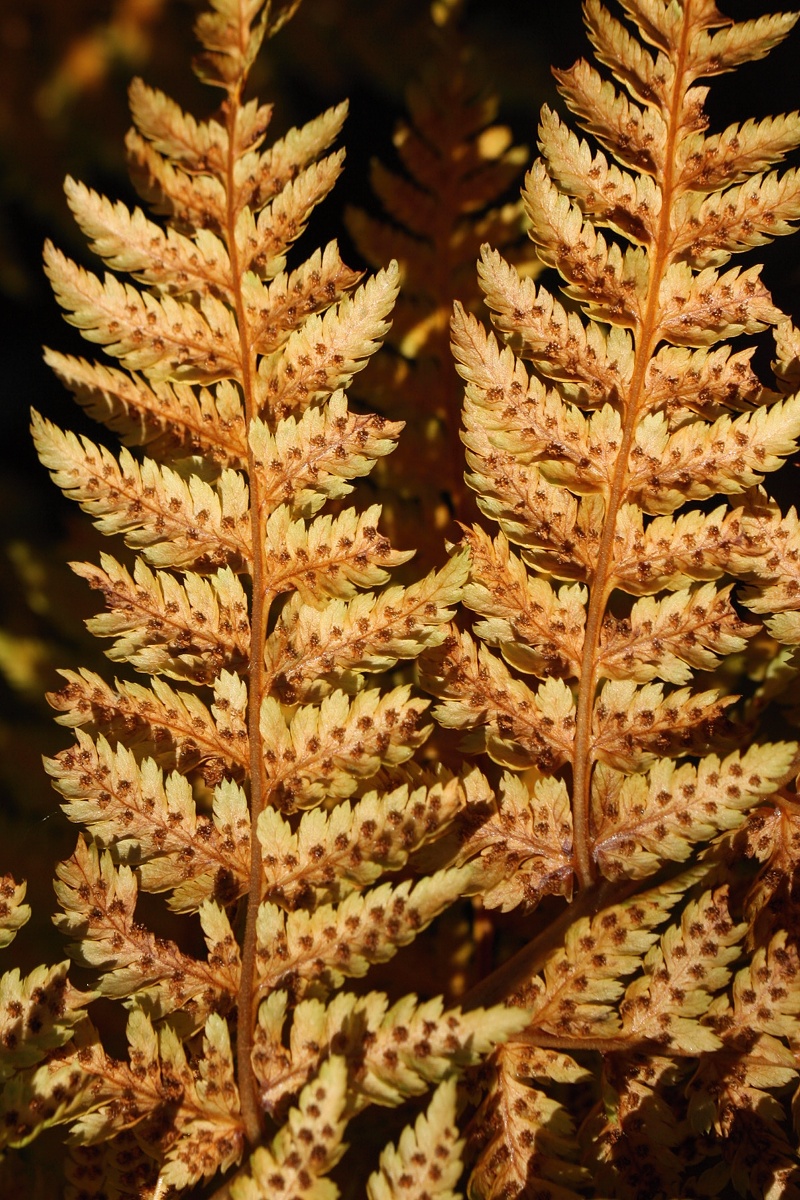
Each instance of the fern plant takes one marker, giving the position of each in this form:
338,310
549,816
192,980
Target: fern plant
266,766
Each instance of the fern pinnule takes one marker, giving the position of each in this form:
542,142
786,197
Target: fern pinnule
14,913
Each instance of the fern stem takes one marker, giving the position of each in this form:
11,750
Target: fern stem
614,1044
252,1114
645,339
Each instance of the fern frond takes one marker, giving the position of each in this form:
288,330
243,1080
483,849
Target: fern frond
448,195
660,433
608,900
238,396
392,1052
598,431
188,631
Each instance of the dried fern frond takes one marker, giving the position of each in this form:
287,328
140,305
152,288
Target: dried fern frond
578,459
252,774
600,666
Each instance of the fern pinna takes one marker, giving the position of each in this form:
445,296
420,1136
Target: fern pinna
598,432
256,776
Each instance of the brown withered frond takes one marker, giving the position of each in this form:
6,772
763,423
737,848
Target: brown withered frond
448,194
